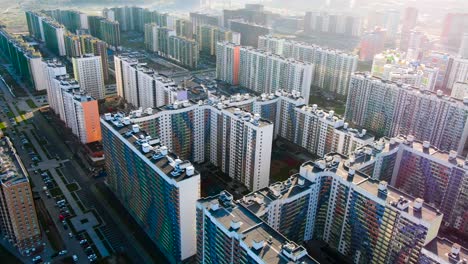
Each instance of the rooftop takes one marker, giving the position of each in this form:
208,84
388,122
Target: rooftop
443,249
257,202
154,152
263,240
340,165
12,170
433,95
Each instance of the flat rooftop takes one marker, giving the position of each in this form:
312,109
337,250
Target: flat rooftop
12,170
442,249
152,149
253,229
257,202
338,164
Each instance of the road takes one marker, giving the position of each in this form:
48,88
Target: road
116,233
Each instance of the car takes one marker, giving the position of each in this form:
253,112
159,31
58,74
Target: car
63,252
75,258
89,251
93,256
36,258
82,242
70,234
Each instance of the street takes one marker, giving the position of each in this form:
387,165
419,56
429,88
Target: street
109,234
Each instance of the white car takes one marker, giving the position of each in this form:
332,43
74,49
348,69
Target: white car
75,258
63,252
36,258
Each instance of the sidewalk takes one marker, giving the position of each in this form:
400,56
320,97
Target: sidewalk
71,201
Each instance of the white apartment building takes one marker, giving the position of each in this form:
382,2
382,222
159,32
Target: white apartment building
331,68
88,72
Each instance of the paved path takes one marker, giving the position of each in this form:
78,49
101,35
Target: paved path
71,201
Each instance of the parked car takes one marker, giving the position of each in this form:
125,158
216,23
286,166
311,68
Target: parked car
63,252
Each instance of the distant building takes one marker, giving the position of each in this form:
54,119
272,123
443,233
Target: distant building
150,176
458,72
72,45
460,90
184,28
391,65
208,36
249,32
200,19
410,19
54,36
71,19
443,62
243,236
19,224
332,68
151,37
52,69
26,61
454,27
184,51
332,23
390,109
372,43
88,72
251,13
463,50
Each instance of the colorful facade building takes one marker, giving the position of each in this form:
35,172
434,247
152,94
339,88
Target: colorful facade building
208,36
331,200
390,109
158,189
229,233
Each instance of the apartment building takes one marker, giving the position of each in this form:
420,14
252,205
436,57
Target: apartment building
19,225
158,189
332,68
229,233
390,109
88,71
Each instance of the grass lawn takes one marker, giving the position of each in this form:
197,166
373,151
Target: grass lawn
31,103
55,191
7,257
72,187
3,125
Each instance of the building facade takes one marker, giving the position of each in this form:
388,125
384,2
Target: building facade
19,224
88,72
152,175
390,109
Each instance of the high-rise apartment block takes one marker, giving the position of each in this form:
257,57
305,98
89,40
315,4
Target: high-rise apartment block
460,90
35,27
18,220
71,19
236,141
391,65
208,36
249,32
332,68
227,232
441,61
372,43
421,170
72,45
184,51
134,18
453,29
166,43
50,70
26,61
463,50
151,37
54,33
184,28
92,45
458,72
390,109
140,85
332,200
158,189
200,19
339,24
261,71
88,72
110,33
82,116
